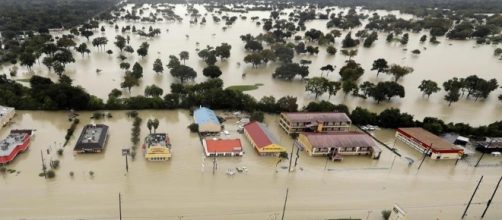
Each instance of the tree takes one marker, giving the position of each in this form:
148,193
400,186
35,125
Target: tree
267,55
120,42
328,67
155,125
143,49
349,86
212,72
66,41
129,81
423,38
153,91
352,71
427,87
128,49
399,71
47,61
65,80
149,125
393,118
348,41
255,59
64,56
287,104
82,49
404,39
380,65
58,68
333,88
184,55
386,90
370,39
331,50
27,59
257,116
99,42
173,62
253,45
157,66
290,70
317,86
223,51
366,87
125,66
86,33
137,71
349,53
284,53
452,96
183,73
109,52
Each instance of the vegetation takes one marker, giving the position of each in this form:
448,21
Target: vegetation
243,88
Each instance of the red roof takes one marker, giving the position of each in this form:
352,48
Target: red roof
259,134
223,145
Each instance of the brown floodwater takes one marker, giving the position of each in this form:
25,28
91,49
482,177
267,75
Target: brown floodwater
357,187
437,62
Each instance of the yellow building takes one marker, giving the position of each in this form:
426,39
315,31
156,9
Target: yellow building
157,147
262,139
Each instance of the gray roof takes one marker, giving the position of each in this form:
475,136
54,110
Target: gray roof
340,139
317,116
93,137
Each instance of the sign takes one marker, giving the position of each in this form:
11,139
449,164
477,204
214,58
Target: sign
125,151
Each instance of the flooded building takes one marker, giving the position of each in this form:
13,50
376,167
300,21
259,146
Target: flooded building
157,147
222,147
92,139
262,139
489,145
6,114
428,143
16,142
339,144
207,121
295,122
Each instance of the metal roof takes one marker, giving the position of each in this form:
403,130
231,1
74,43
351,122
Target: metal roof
260,134
92,137
427,138
205,115
340,139
316,116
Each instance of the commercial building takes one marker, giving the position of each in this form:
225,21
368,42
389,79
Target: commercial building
338,144
157,147
6,114
222,147
207,121
16,142
295,122
428,143
489,145
262,139
92,139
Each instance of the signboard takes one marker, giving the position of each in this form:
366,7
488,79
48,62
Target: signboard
125,151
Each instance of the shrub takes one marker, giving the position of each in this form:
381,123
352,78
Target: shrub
386,214
91,173
60,152
72,174
193,127
50,174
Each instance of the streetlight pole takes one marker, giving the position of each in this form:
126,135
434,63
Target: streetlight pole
470,200
285,202
491,198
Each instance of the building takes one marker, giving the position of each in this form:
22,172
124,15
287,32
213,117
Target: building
295,122
157,147
16,142
397,213
262,139
92,139
207,121
489,145
429,143
222,147
6,114
338,144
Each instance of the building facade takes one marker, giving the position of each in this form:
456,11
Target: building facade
222,147
428,143
207,121
338,144
157,147
295,122
15,143
262,139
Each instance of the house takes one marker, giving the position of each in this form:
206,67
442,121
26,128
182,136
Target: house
295,122
16,142
337,144
262,139
428,143
222,147
207,121
92,139
489,145
6,114
157,147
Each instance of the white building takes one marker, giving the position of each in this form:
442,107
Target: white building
6,114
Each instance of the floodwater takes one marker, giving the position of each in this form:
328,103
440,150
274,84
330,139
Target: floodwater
437,62
181,188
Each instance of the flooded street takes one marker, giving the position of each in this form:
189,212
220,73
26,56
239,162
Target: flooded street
436,62
358,187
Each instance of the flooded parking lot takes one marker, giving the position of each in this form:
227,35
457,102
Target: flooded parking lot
182,188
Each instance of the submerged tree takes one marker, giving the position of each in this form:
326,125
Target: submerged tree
427,87
317,86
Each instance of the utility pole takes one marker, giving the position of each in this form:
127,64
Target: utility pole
215,164
125,152
297,156
470,200
120,207
43,164
426,151
285,202
491,198
291,156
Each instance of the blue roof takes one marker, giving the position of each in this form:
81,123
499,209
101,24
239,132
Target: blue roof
204,115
